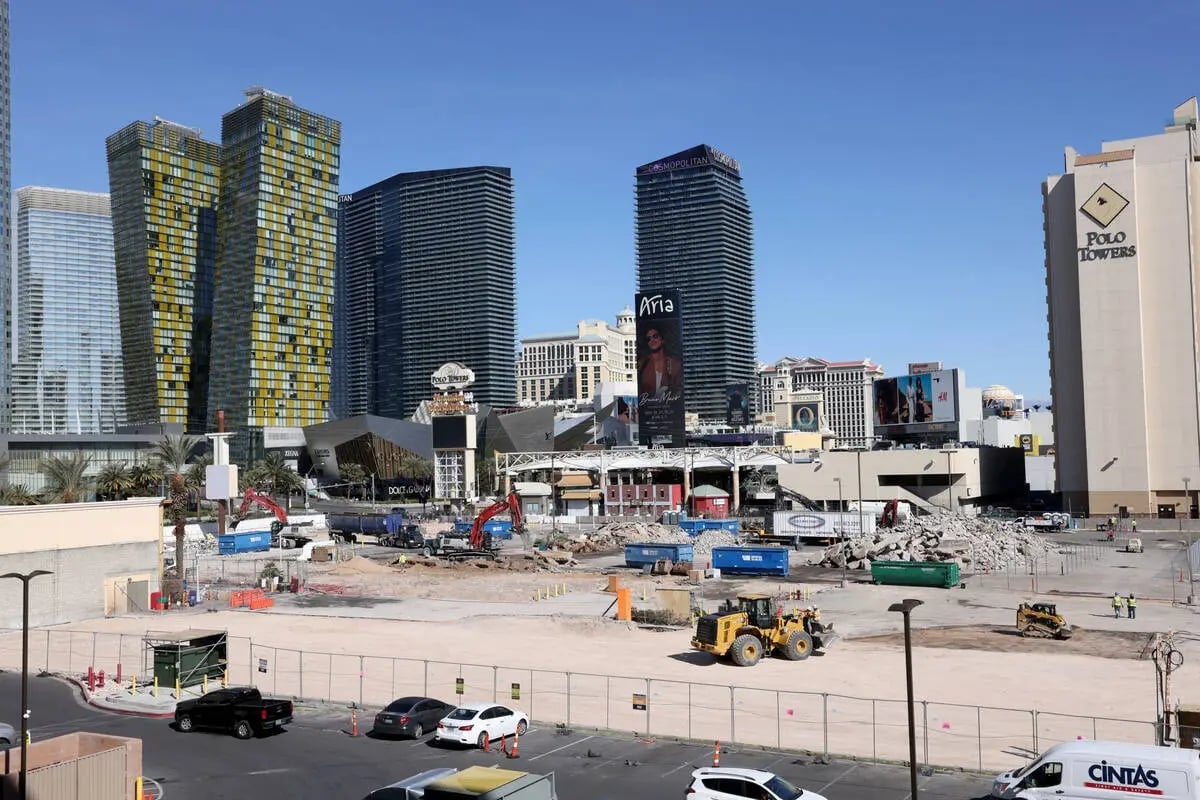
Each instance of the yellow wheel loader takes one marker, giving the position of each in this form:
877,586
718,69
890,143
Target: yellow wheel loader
756,628
1042,619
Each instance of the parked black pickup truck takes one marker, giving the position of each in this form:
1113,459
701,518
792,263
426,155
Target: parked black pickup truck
239,710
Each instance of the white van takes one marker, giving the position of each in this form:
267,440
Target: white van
1105,771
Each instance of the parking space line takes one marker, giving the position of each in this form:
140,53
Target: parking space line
684,765
838,778
564,747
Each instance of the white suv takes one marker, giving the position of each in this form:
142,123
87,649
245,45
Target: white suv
721,783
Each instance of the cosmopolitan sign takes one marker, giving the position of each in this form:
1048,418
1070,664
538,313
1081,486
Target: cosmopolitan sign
696,157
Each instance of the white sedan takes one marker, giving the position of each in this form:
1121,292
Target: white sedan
479,723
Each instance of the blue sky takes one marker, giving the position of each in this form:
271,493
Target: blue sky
892,152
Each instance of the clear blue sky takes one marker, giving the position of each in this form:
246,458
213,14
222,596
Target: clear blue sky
892,152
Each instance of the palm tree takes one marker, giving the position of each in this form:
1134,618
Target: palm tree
275,473
147,479
195,477
353,474
174,453
17,495
66,481
114,481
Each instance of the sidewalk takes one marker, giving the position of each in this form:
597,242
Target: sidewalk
123,699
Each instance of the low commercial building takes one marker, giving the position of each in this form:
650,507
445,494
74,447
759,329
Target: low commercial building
104,559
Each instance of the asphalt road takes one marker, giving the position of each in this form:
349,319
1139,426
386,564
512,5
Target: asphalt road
315,759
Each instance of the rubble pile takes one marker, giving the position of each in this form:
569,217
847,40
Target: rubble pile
975,543
616,535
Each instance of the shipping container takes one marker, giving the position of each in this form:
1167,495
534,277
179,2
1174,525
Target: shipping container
820,524
751,560
695,527
638,555
942,574
233,543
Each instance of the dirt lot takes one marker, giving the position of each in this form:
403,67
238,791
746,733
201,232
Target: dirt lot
1100,644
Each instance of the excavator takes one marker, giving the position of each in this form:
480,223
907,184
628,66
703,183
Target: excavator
479,542
252,497
1042,619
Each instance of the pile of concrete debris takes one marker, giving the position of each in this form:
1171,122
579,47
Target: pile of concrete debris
615,535
975,543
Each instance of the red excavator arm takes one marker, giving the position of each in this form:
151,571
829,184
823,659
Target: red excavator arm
250,498
511,504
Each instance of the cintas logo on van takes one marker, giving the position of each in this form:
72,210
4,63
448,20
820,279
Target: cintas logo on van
1134,780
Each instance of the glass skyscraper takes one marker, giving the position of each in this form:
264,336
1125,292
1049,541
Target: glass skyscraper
426,275
67,377
277,237
164,182
6,242
694,234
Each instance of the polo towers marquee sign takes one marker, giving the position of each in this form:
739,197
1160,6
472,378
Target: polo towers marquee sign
452,377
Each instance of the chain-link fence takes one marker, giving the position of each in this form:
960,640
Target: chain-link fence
948,734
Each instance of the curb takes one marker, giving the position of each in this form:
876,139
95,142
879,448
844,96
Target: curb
87,698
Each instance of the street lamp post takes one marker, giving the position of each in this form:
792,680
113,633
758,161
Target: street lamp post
24,579
1187,497
906,608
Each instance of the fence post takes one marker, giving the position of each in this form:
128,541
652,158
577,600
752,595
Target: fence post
825,721
689,709
607,701
532,695
301,673
1033,718
426,674
360,681
778,722
495,686
275,671
979,734
568,699
48,632
874,749
1094,736
732,718
93,662
393,694
925,730
329,686
649,703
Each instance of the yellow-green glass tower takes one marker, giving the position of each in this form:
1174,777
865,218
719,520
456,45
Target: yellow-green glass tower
163,180
277,240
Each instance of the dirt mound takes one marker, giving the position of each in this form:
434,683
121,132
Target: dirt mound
1084,642
360,566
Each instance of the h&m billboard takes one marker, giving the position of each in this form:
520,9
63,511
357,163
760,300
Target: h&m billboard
917,403
659,369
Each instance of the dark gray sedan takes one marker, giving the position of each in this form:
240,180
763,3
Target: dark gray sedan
410,716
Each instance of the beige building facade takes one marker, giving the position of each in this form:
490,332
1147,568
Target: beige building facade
1120,238
844,389
571,366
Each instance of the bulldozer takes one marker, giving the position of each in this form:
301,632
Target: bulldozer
756,627
1042,619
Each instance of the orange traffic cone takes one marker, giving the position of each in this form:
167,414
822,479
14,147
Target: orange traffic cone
487,742
717,753
503,745
516,744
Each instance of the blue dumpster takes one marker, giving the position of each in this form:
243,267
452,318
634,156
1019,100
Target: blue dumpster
233,543
695,527
639,555
751,560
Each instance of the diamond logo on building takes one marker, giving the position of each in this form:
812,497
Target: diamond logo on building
1105,205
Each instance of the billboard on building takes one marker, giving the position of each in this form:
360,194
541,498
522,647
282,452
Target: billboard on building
806,417
621,427
737,404
917,403
659,369
923,367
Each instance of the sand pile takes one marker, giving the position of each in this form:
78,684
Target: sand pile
360,566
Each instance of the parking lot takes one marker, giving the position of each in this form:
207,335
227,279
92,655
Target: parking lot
316,758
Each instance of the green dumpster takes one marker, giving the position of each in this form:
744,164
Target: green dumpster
915,573
188,656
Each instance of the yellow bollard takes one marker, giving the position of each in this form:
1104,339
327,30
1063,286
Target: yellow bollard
644,593
154,691
28,737
555,587
176,687
206,684
564,588
138,791
225,680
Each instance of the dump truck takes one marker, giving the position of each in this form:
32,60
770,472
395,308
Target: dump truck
1042,619
756,628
